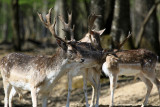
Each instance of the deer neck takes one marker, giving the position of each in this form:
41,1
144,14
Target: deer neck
58,67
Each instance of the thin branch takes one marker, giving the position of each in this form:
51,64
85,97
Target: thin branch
143,25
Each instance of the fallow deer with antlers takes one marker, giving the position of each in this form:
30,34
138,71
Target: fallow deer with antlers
37,74
140,62
91,55
92,74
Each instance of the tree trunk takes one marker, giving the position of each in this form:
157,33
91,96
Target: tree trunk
21,25
158,11
75,14
5,23
60,9
45,4
109,13
150,34
121,22
15,25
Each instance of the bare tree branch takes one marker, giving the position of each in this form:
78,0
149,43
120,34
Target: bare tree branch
140,34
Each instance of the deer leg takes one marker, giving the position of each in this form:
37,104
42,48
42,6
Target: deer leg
98,91
94,80
93,94
90,78
152,77
85,89
113,83
44,100
7,89
157,83
11,95
34,97
149,86
69,89
93,97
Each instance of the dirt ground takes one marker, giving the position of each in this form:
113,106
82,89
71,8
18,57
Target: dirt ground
128,93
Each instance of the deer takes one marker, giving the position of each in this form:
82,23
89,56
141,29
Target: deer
89,52
37,74
92,74
138,62
123,62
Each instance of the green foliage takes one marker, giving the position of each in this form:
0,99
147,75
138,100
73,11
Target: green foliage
39,3
21,2
132,2
6,1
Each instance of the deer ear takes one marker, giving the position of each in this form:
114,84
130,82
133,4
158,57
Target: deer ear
100,32
62,44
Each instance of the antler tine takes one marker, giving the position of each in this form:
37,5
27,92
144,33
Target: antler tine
48,16
69,19
62,20
48,24
72,33
91,19
121,44
67,26
41,18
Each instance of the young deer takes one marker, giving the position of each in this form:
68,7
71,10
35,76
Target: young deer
90,73
37,74
138,62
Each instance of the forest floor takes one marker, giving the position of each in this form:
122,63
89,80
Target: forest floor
129,93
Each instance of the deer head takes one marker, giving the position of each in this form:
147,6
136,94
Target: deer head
67,46
93,36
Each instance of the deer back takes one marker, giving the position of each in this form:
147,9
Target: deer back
143,57
35,70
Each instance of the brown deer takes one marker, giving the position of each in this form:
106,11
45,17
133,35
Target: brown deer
37,74
91,55
140,62
90,73
122,62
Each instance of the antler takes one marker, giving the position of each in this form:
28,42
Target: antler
67,26
91,19
121,44
48,24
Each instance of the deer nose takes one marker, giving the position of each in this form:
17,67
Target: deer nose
82,60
